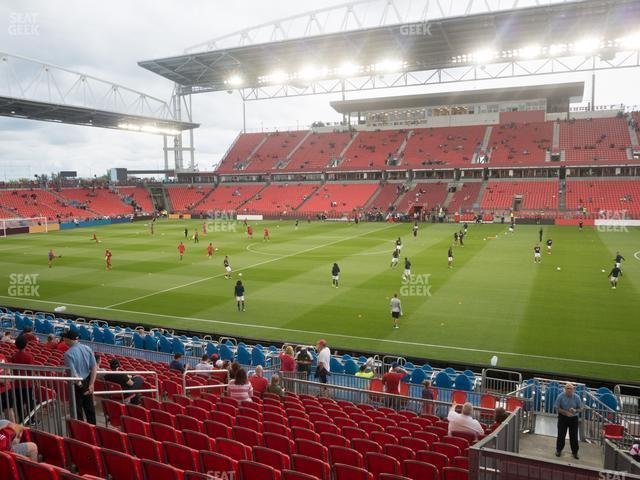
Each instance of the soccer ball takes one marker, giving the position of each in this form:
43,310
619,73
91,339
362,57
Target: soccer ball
240,274
61,308
603,270
558,268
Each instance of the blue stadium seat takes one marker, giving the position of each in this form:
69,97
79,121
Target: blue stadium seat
138,340
19,321
97,334
409,366
603,391
443,380
418,376
470,374
257,357
550,395
336,366
150,343
450,371
225,352
84,333
462,382
350,366
427,368
243,357
212,349
178,345
610,401
164,344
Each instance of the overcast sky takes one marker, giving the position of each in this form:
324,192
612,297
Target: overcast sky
108,38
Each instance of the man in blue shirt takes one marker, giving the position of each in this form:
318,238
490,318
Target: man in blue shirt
82,363
569,406
176,363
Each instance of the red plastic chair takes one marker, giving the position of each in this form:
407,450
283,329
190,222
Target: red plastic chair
113,411
383,438
273,458
51,447
218,462
134,426
461,443
278,442
325,427
488,401
513,404
173,408
82,431
250,470
185,422
440,432
233,449
383,421
160,471
349,472
165,433
351,433
181,456
150,403
311,449
417,470
136,411
370,427
453,473
365,446
246,436
311,466
182,400
330,439
461,462
198,441
470,437
222,417
447,449
414,444
165,418
299,433
349,456
399,452
299,422
378,463
197,412
276,427
293,475
120,466
8,466
145,448
392,476
613,431
342,422
459,397
398,432
439,460
85,457
29,470
217,429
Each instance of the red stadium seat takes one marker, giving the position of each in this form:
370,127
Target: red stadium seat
330,439
414,444
233,449
279,442
160,471
461,462
29,470
132,425
8,466
197,412
293,475
247,436
312,449
378,463
198,441
439,460
164,418
218,462
145,448
217,429
113,411
82,431
383,438
180,456
250,470
365,446
349,472
120,466
185,422
248,422
139,412
399,452
85,457
447,449
461,443
50,447
349,456
300,433
453,473
273,427
165,433
311,466
273,458
417,470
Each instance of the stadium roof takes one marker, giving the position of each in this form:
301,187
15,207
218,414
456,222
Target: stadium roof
562,91
448,42
74,115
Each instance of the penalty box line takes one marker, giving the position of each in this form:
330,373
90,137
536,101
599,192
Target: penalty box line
142,297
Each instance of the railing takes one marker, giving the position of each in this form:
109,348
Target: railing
209,373
127,392
503,382
616,459
38,396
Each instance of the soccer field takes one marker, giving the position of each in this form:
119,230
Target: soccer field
495,301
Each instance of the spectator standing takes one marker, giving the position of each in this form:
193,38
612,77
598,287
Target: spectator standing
80,360
240,388
391,382
396,309
323,368
287,362
464,422
569,405
303,360
428,394
204,364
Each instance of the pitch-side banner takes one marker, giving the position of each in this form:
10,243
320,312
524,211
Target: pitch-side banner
248,217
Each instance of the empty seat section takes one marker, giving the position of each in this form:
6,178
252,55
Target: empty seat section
138,194
464,197
100,200
228,197
184,199
387,196
535,195
372,149
608,195
319,151
338,198
274,151
520,143
597,140
433,147
39,203
276,199
425,195
236,158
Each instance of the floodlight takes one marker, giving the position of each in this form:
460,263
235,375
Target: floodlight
310,72
234,81
484,55
530,51
389,66
630,41
347,69
277,76
586,45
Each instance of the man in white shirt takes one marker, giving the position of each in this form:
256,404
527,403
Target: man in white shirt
204,364
464,422
324,359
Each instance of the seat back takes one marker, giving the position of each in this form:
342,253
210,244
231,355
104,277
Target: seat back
159,471
120,466
349,472
34,471
250,470
112,439
180,456
311,466
82,431
378,463
311,449
85,457
273,458
51,447
349,456
417,470
145,448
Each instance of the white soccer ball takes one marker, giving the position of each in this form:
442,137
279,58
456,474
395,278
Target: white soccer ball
59,309
240,274
603,270
494,361
558,268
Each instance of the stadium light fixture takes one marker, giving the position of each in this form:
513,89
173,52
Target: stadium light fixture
629,41
557,49
484,55
347,69
530,51
134,127
234,81
311,72
586,45
389,66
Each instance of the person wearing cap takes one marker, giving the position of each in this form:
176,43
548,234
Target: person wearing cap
323,368
126,381
80,360
363,373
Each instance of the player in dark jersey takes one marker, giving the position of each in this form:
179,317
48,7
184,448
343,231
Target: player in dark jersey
398,244
455,238
465,227
296,227
227,267
238,290
536,254
52,257
540,232
415,230
450,257
461,238
196,237
186,233
619,258
335,275
613,276
394,258
407,269
549,245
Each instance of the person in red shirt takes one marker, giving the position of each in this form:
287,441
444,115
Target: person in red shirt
6,398
391,382
95,238
26,332
210,251
181,250
12,431
62,347
266,235
204,228
258,382
52,342
107,259
287,362
250,231
24,391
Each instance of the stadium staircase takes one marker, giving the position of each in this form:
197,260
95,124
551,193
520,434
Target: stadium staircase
450,194
66,200
478,200
247,161
635,144
399,155
347,147
309,197
562,197
160,198
484,146
287,160
555,143
464,197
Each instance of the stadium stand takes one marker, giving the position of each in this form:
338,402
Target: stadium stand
276,199
464,197
595,141
389,193
185,198
425,195
620,197
339,198
272,154
140,195
372,149
228,197
103,201
319,151
39,203
452,146
236,158
520,144
541,195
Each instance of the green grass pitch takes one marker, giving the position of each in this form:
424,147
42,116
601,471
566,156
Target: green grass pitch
494,301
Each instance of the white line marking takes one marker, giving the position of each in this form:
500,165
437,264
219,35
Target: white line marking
249,249
637,255
247,267
335,335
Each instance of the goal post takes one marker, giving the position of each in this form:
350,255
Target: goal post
9,226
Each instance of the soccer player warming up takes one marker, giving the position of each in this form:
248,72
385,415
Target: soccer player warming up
536,254
450,257
415,229
265,236
95,238
239,292
335,275
394,258
396,309
107,259
613,276
210,250
227,267
407,269
250,231
549,246
181,250
52,257
619,258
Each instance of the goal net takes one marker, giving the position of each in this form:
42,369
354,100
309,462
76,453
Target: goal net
23,225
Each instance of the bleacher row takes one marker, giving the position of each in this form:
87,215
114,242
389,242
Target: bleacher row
584,142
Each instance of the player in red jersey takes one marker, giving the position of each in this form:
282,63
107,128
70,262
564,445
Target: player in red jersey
250,231
210,251
52,257
107,259
204,228
265,236
95,238
181,250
